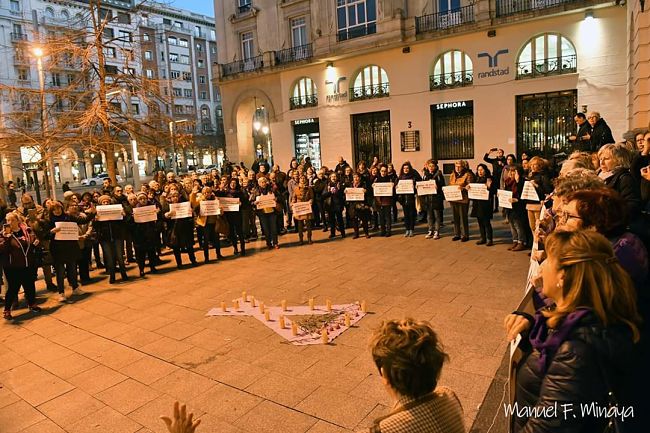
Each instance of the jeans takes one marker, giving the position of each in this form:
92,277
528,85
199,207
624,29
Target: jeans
517,227
461,221
410,214
269,227
301,225
385,219
66,268
113,256
485,228
17,277
434,218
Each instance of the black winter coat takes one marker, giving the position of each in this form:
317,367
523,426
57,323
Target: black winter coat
334,201
574,376
600,135
145,235
624,183
63,251
482,209
434,201
408,199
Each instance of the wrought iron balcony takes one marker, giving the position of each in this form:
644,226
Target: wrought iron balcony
451,80
510,7
356,32
546,67
239,66
303,102
369,92
444,20
294,54
19,37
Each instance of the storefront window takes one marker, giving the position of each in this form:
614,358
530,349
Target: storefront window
306,134
452,130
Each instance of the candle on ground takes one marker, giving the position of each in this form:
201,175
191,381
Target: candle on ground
364,307
223,307
311,303
282,322
235,305
294,328
261,307
325,338
267,315
253,301
284,305
243,296
347,320
329,305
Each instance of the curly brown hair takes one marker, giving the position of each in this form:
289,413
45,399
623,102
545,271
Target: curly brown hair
603,209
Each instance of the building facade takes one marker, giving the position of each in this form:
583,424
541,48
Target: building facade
169,46
413,79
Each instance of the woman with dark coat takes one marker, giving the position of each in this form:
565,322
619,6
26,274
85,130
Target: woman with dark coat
18,251
235,221
517,215
145,237
433,204
360,211
268,215
180,231
384,203
65,254
302,194
577,352
334,203
538,176
482,209
406,173
111,236
461,176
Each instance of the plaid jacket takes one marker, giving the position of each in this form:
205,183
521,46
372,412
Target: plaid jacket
439,412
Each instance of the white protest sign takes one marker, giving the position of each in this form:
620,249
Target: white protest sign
69,231
452,193
405,187
505,198
427,187
229,204
266,201
383,189
301,208
109,212
354,194
209,208
181,210
478,191
145,214
529,192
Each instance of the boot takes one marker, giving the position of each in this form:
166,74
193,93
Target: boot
125,277
242,247
309,241
111,278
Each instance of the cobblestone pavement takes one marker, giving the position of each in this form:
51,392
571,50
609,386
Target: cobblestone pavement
115,359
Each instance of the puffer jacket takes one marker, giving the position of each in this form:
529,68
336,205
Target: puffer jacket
574,376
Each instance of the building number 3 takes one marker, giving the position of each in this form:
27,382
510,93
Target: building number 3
410,124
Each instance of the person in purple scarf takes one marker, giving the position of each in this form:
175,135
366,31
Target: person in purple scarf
582,347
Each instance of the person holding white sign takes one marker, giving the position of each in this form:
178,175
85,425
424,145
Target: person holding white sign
482,209
360,210
206,223
111,238
384,203
234,218
334,203
267,215
540,180
461,176
406,184
433,203
517,215
303,194
180,232
145,235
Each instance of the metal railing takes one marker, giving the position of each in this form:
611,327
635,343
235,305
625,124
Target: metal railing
19,37
451,80
509,7
294,54
369,92
546,67
303,102
242,9
356,32
444,20
239,66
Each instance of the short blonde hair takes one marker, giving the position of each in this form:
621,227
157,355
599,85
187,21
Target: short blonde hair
619,153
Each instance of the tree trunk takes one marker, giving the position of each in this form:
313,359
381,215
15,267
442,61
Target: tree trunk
110,167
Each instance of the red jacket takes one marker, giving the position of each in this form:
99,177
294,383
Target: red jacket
18,252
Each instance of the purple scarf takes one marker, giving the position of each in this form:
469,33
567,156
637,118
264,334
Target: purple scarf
548,343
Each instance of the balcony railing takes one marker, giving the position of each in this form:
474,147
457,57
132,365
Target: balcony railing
239,66
509,7
303,102
546,67
444,20
356,32
294,54
19,37
451,80
369,92
242,9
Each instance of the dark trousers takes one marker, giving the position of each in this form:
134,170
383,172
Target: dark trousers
211,238
246,222
200,235
485,228
235,225
362,216
84,264
190,252
269,227
66,268
98,259
17,277
128,241
461,220
252,224
434,218
385,219
113,256
144,252
335,217
301,225
410,215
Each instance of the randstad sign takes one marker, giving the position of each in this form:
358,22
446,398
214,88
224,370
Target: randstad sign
493,63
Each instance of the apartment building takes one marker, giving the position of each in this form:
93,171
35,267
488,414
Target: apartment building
415,79
172,46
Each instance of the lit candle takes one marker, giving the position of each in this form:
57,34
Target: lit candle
243,296
223,307
284,305
364,308
253,301
311,304
329,305
324,337
294,328
235,305
282,322
261,307
347,320
267,315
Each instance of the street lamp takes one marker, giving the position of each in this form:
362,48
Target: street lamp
39,53
171,135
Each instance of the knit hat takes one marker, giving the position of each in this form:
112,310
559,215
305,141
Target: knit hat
104,197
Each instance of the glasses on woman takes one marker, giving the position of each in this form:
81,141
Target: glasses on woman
563,217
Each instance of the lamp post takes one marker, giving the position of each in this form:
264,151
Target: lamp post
173,140
49,171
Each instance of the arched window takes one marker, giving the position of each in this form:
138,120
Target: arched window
205,112
547,54
452,69
370,82
49,12
303,94
65,15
